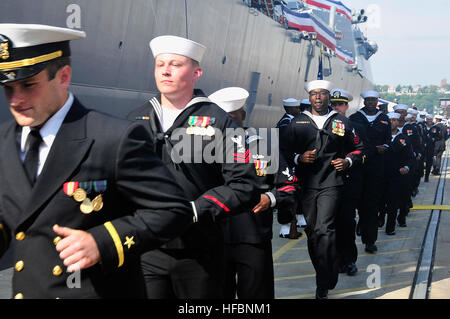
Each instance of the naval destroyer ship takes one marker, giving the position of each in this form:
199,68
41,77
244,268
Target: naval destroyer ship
269,47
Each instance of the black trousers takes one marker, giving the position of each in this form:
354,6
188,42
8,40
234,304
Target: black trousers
429,156
184,273
320,206
398,195
419,172
369,205
437,160
249,271
346,224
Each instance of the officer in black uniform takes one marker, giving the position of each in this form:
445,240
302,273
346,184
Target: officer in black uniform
322,145
346,217
204,148
433,133
248,236
398,162
287,217
74,205
374,128
421,127
439,144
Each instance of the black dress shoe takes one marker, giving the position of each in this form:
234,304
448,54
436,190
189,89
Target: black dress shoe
371,248
401,224
380,222
343,269
289,236
351,269
321,293
390,233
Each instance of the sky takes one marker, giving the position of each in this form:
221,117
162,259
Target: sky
413,38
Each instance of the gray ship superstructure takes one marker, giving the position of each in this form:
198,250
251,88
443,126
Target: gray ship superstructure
249,44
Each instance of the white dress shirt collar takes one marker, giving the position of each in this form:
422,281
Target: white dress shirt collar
51,127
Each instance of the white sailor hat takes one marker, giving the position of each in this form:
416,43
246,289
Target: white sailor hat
439,117
306,101
177,45
401,107
422,113
429,116
25,49
318,84
230,99
393,115
370,93
339,95
413,111
291,102
409,116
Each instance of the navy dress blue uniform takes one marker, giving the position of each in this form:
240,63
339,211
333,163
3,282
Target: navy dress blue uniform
285,215
247,236
376,132
412,133
192,265
321,184
102,149
127,209
399,155
439,147
433,133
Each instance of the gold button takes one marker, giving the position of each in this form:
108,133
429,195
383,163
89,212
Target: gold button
20,236
18,296
19,265
57,271
56,240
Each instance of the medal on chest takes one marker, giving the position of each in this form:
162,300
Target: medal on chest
338,128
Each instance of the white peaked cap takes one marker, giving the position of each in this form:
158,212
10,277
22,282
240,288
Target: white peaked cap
306,101
318,84
27,35
393,115
370,93
230,99
439,117
291,102
413,111
339,95
401,107
177,45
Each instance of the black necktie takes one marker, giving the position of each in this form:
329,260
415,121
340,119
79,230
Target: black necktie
32,157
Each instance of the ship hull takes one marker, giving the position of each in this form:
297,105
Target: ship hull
113,66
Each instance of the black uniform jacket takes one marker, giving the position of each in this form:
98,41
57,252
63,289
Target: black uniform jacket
372,134
400,154
283,124
438,134
274,176
412,133
142,206
337,139
216,188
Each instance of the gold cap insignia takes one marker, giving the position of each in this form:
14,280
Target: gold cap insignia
337,94
4,51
